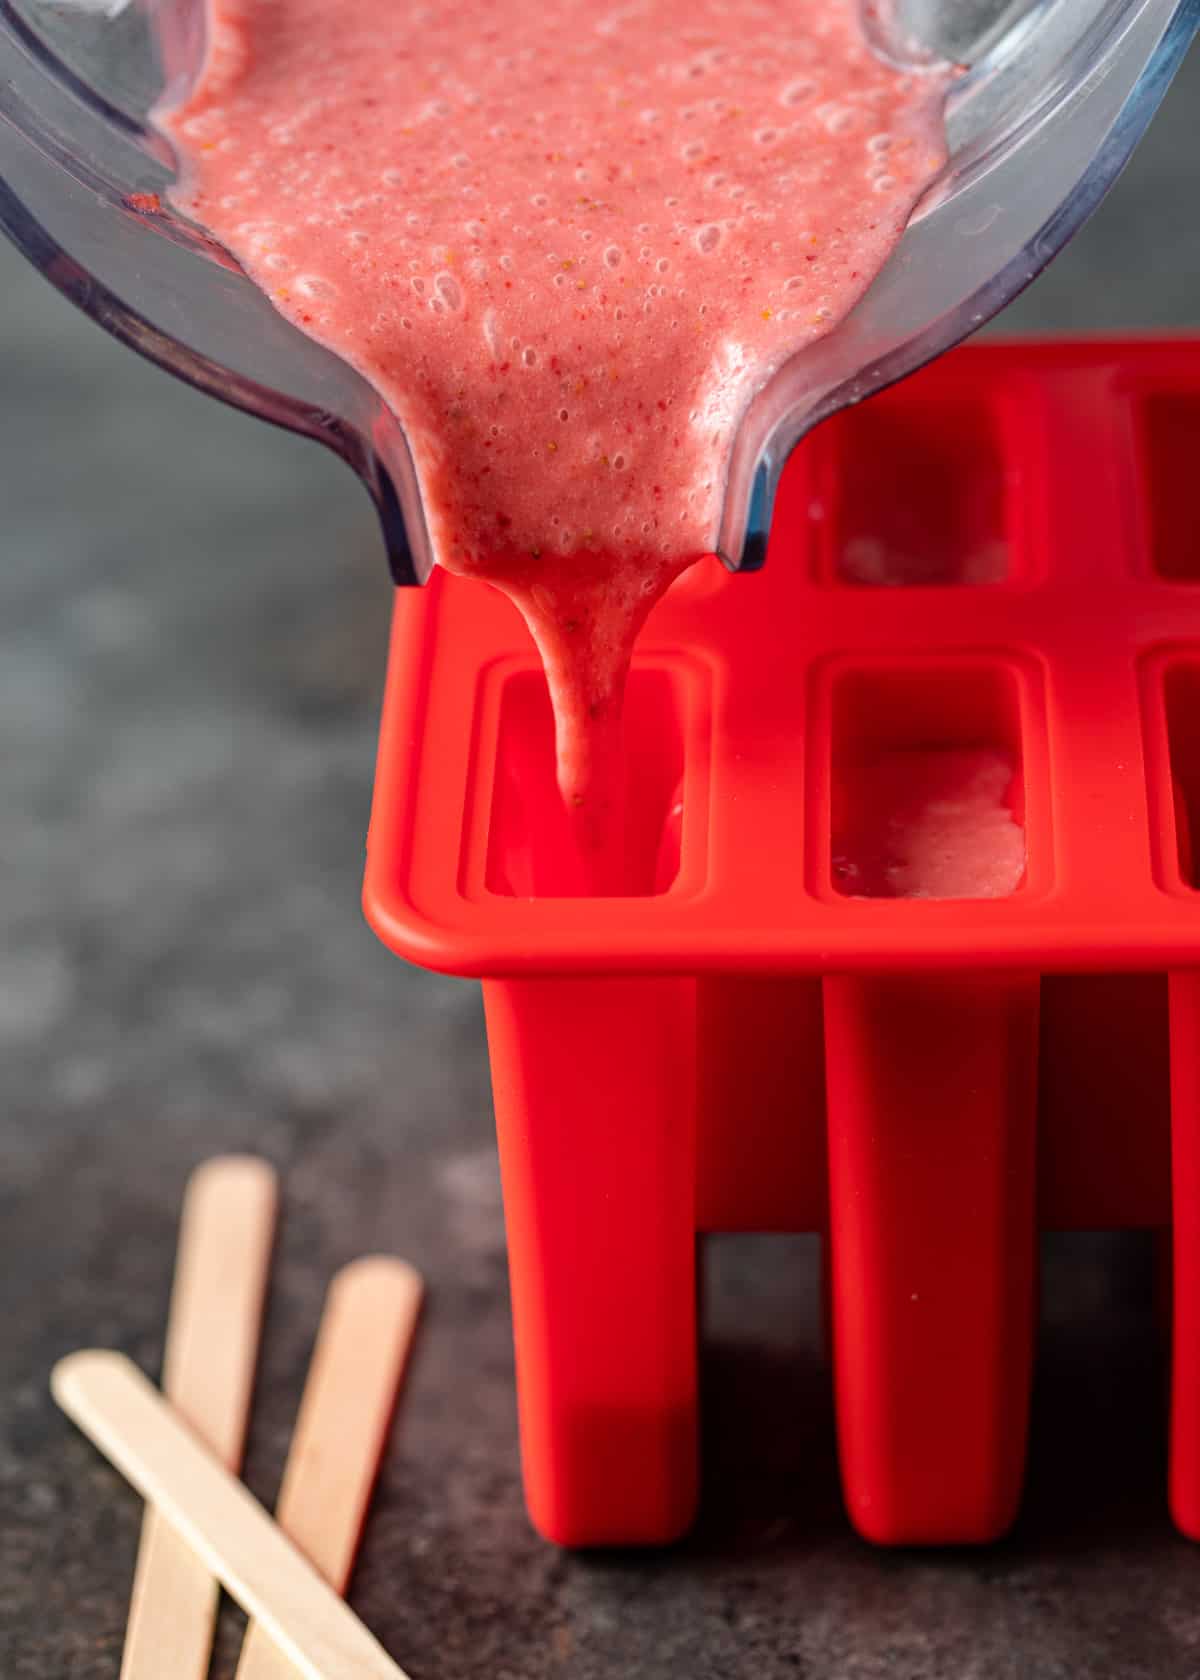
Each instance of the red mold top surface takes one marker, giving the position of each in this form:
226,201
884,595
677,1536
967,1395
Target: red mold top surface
1059,477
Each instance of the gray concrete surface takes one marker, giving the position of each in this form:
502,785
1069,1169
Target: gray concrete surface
192,623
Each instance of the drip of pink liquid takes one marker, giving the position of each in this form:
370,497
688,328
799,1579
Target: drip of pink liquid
585,619
566,244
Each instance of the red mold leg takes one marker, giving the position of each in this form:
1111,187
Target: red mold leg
1184,1474
594,1084
760,1122
932,1102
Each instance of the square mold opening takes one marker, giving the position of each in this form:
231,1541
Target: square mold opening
913,493
1181,704
927,795
1168,425
531,852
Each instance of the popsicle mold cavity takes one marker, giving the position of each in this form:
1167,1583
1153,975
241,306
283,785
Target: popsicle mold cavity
531,847
927,798
909,494
1168,424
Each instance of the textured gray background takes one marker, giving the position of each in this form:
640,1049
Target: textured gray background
192,623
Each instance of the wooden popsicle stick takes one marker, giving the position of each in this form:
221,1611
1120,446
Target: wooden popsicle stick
225,1237
357,1366
135,1428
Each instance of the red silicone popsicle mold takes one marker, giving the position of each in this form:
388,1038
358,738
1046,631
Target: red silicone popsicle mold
738,1044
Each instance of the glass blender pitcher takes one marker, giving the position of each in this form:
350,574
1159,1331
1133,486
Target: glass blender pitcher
1054,96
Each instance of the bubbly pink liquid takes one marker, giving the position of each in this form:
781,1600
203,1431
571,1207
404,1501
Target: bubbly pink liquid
929,824
566,242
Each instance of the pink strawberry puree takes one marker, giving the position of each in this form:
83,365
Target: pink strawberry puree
928,824
566,242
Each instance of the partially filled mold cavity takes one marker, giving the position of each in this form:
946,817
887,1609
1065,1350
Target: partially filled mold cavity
927,794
